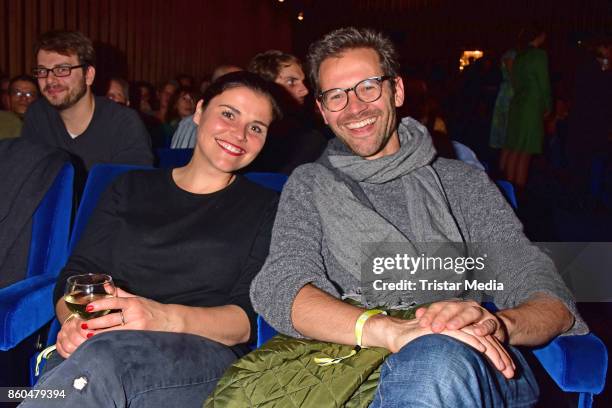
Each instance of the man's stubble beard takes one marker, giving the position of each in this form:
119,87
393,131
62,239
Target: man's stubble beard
382,140
73,97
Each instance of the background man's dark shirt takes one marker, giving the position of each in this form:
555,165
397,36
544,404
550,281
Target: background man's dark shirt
115,134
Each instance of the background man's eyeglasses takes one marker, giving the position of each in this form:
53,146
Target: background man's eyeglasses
367,90
61,71
26,94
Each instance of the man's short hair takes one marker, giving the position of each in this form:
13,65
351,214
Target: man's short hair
338,41
67,43
24,78
268,64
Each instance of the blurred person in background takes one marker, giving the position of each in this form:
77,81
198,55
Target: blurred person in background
186,81
297,139
119,91
531,103
185,135
590,121
499,121
180,106
23,90
164,93
283,69
143,99
92,129
422,106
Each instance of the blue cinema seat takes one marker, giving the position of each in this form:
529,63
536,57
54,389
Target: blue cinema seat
99,178
273,181
507,189
26,306
168,158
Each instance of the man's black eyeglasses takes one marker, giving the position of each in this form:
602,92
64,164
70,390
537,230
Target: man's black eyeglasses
60,71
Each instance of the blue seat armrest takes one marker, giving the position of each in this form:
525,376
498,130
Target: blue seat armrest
576,363
264,331
25,307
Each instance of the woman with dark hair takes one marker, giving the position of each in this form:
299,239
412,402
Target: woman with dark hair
181,104
530,104
164,93
143,98
182,246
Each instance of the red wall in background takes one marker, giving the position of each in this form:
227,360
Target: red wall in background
147,39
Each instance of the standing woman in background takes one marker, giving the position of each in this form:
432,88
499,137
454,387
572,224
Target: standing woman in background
530,104
499,122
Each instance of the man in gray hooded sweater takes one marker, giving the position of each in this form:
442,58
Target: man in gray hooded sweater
380,181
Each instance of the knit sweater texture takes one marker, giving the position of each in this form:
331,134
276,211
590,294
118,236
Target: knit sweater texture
299,253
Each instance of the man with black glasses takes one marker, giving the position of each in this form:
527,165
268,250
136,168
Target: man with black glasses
93,129
380,189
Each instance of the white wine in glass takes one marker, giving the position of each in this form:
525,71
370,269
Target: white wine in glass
84,289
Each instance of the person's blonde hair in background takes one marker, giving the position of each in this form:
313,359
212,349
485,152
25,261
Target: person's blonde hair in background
284,69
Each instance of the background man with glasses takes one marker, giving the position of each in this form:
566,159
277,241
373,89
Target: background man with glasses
22,92
379,182
92,129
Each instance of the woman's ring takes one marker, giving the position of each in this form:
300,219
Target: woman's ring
122,318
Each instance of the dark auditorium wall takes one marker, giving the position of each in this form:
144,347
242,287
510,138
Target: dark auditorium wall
147,39
156,39
437,30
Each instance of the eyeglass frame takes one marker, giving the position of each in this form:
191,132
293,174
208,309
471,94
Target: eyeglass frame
380,79
19,93
70,68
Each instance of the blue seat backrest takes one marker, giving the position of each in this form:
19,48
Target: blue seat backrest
25,306
274,181
51,226
168,158
99,178
507,190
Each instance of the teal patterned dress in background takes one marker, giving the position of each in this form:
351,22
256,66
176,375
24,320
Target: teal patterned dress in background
499,122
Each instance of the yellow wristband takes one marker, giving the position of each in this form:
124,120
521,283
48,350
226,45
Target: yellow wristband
327,361
361,320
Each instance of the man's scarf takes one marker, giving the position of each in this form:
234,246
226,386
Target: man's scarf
350,221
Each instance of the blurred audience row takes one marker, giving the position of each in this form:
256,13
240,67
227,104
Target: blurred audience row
506,113
132,120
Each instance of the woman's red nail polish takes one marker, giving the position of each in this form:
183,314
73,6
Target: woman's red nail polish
89,308
89,335
84,326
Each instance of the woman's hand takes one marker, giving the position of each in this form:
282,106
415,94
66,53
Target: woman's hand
134,313
70,336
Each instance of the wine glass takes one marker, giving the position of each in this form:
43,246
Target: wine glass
84,289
